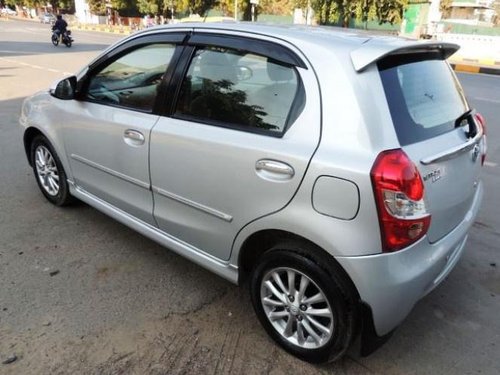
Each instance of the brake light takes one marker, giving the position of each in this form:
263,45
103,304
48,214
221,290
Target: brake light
399,193
484,144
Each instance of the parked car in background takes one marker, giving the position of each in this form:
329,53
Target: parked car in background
47,18
338,173
8,12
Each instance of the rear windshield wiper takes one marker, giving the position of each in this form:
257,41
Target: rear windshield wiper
466,119
460,120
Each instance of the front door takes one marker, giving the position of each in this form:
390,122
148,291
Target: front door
107,132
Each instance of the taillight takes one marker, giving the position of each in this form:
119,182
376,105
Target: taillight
399,193
484,144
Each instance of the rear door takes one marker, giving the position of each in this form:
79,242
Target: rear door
437,130
237,142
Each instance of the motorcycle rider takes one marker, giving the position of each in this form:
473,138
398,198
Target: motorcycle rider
60,26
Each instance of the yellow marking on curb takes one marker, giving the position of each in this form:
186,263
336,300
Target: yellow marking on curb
104,29
486,62
466,68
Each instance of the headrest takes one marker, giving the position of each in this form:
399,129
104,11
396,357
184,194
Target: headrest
278,72
216,66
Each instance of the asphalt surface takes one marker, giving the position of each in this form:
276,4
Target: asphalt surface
82,294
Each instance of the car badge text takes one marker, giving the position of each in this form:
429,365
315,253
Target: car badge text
433,176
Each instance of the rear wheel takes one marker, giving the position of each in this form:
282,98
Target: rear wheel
303,306
49,172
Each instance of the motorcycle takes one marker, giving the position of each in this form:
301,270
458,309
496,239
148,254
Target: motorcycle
66,38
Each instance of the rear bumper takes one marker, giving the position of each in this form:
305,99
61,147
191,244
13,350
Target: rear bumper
391,284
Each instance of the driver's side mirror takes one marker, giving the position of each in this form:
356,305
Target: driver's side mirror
65,89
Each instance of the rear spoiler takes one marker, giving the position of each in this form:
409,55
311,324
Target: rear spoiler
375,49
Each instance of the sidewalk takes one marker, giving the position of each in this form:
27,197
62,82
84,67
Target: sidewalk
477,53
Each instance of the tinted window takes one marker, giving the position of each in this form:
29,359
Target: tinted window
424,97
240,89
132,80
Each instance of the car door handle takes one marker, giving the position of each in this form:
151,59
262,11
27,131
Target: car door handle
133,137
273,169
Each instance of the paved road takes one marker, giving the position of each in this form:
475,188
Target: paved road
118,303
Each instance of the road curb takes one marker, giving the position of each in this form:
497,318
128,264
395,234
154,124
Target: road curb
123,30
464,68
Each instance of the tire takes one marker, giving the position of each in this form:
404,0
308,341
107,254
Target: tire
49,172
55,40
68,43
295,318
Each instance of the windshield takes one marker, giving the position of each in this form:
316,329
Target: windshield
423,94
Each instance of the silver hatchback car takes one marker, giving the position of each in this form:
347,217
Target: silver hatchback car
337,173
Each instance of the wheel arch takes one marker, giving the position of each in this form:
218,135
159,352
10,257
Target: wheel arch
259,242
29,135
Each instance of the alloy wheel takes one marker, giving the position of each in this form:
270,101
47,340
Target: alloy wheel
297,308
46,170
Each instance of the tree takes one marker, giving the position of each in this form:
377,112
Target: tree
61,4
445,8
390,11
200,7
496,5
148,6
97,7
26,3
342,11
125,8
276,6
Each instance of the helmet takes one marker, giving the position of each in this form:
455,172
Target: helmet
59,17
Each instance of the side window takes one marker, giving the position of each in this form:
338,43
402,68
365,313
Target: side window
237,89
133,79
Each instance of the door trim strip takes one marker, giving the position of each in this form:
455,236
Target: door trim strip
198,206
112,172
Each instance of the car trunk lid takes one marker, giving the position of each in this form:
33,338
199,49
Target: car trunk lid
437,130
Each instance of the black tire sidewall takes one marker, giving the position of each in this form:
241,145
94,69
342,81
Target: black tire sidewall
63,196
343,323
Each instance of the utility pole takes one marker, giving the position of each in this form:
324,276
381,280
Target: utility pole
254,3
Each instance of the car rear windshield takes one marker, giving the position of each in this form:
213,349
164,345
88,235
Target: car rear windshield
424,96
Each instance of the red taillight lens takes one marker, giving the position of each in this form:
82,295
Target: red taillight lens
484,144
399,193
482,121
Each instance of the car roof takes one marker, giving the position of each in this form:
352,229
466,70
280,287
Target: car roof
361,47
299,32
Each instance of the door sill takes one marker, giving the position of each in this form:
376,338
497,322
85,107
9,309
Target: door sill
222,268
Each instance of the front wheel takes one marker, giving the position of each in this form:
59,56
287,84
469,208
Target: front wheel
55,40
303,306
49,172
